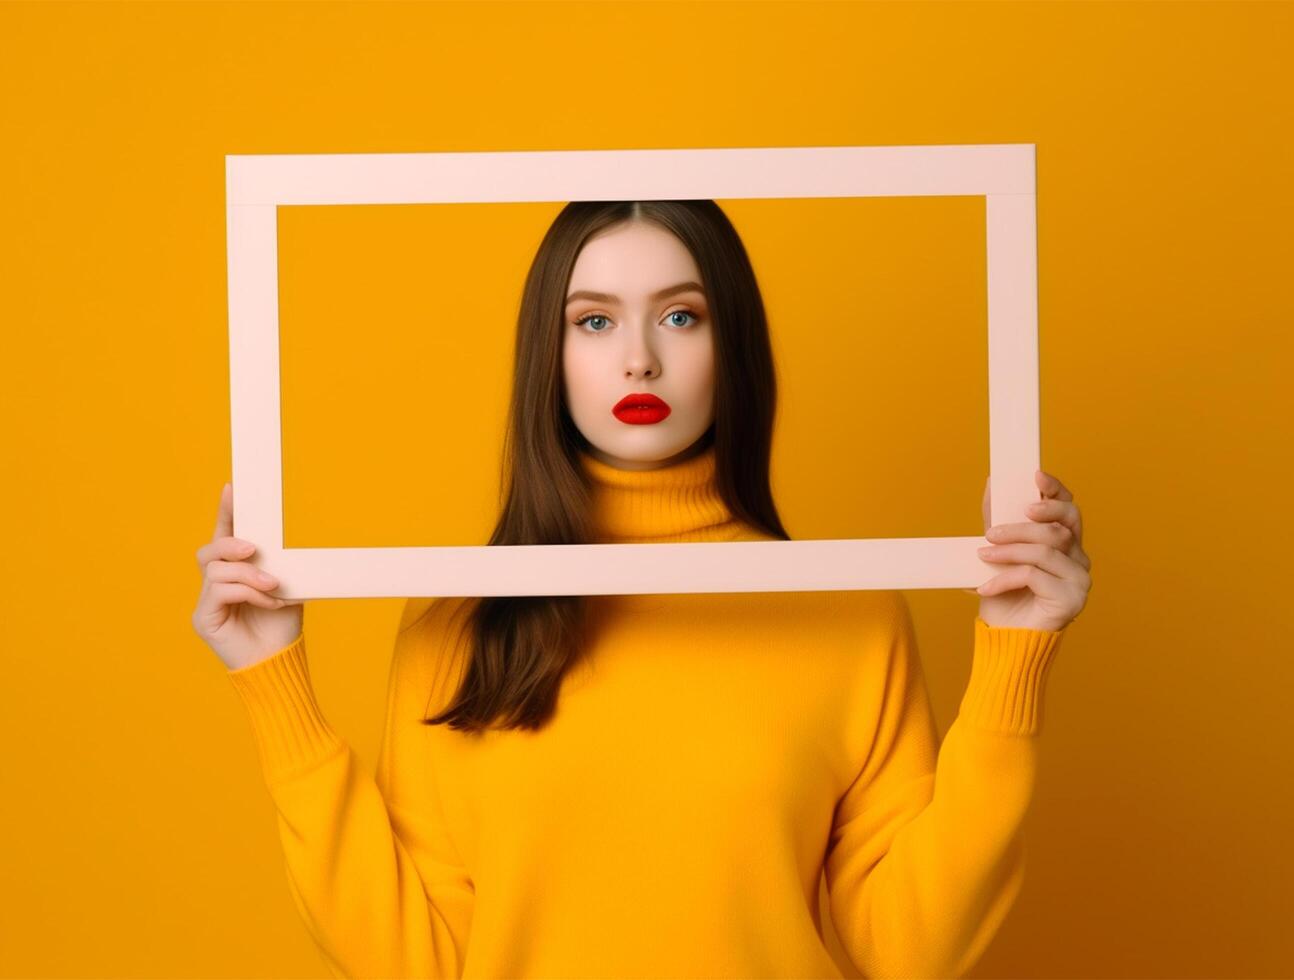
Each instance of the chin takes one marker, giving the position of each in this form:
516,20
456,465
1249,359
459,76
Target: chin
652,451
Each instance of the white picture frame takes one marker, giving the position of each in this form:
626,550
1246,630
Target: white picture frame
256,185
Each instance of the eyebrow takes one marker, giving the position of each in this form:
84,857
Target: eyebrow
682,287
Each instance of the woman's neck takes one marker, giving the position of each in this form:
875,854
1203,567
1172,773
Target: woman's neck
676,502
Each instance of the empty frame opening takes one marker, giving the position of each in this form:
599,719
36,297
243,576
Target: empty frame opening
396,333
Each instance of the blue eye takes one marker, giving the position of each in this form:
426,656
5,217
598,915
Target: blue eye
598,316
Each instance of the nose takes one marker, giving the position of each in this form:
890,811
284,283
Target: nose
640,359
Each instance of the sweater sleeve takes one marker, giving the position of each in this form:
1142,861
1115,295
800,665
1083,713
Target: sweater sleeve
926,853
375,877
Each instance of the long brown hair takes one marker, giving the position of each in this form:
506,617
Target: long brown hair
522,646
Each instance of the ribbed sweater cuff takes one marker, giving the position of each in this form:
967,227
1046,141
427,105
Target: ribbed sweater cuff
291,732
1008,678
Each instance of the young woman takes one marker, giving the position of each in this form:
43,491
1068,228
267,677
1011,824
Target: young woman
655,785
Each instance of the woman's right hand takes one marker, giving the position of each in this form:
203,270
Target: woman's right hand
236,616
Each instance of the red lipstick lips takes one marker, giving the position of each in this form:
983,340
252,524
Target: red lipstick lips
640,409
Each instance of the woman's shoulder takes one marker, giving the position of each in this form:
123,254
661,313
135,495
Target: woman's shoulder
431,639
429,613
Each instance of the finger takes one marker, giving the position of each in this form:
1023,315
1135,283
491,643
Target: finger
986,504
1039,582
225,573
225,513
232,593
1061,511
1051,487
1051,533
1042,556
231,549
241,571
1028,577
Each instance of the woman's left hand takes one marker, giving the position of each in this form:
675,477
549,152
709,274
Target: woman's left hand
1047,576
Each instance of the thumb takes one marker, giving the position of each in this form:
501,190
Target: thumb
986,506
225,514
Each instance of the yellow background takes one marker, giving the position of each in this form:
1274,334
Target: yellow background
137,838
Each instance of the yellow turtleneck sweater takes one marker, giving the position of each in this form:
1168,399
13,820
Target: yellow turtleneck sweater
710,760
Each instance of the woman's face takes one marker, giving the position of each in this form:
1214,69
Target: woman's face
646,331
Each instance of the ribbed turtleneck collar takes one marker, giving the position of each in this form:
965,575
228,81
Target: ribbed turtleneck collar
679,502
